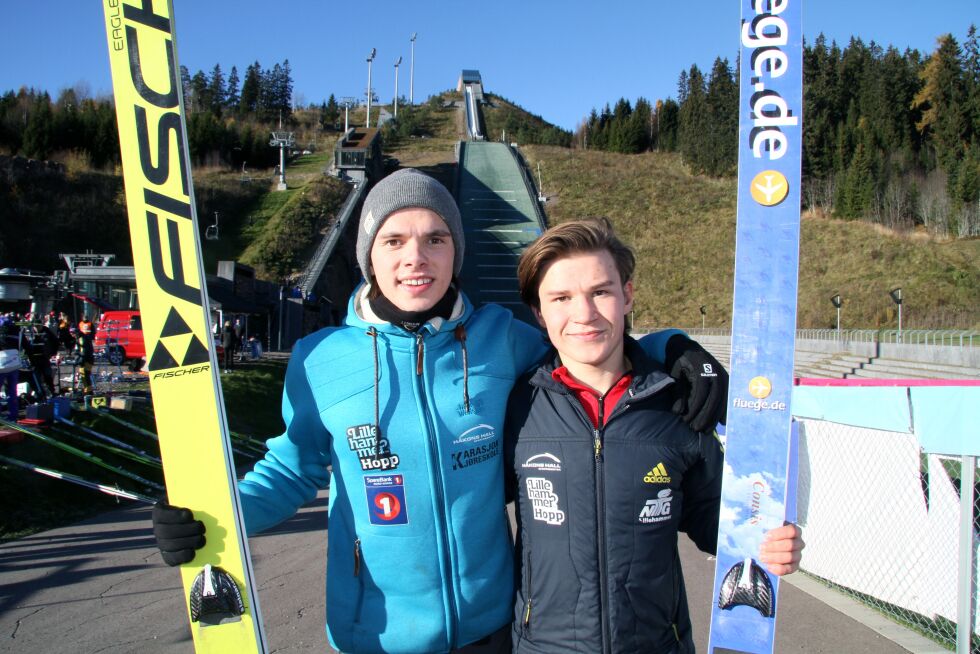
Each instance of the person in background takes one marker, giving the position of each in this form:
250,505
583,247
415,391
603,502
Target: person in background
64,333
240,339
85,346
228,345
400,411
605,474
10,365
43,346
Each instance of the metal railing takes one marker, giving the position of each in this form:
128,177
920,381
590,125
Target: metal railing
329,241
925,337
532,191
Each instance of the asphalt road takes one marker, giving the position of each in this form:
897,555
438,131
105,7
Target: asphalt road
99,586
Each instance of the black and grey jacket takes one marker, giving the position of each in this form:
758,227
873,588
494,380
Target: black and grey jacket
599,511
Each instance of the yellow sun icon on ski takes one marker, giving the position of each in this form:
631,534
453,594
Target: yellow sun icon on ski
769,188
760,387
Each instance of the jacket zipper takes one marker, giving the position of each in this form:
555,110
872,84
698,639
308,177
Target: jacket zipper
527,607
600,512
359,604
440,498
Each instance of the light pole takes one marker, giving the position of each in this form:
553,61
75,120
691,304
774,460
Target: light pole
348,102
397,64
896,294
837,302
411,72
370,59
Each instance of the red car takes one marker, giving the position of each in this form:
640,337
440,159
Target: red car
119,337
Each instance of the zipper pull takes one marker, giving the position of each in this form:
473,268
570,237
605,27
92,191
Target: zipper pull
527,615
418,360
357,557
598,444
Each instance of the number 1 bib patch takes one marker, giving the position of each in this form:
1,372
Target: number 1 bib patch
386,499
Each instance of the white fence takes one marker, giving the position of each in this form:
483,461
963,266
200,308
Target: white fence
882,522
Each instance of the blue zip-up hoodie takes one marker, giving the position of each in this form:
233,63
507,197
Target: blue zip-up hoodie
419,551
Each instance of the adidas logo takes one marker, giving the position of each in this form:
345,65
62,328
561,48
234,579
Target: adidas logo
657,475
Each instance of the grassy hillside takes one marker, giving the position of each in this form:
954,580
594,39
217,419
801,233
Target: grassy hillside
274,231
683,229
682,226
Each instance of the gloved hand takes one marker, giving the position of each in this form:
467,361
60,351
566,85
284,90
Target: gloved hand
702,383
177,533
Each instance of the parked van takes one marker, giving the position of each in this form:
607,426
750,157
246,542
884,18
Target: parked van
119,338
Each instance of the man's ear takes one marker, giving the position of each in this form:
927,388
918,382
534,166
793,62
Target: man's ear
628,296
537,314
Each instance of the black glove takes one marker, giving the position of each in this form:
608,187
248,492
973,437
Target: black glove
702,383
178,534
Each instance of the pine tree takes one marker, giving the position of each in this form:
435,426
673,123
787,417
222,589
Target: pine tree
250,98
942,101
217,91
285,91
330,112
667,125
231,98
971,73
38,141
694,122
200,92
720,155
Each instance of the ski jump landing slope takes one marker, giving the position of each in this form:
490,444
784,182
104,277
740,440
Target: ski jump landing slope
500,218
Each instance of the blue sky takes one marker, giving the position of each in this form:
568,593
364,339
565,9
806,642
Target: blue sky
556,58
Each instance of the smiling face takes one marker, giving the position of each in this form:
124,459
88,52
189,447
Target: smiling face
412,259
583,304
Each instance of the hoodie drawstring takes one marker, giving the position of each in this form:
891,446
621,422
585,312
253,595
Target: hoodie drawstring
460,333
373,333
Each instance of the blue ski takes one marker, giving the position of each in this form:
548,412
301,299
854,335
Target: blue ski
743,616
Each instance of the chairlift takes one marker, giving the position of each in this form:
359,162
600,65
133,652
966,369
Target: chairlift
211,233
246,178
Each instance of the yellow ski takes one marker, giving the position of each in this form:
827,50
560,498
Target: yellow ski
219,584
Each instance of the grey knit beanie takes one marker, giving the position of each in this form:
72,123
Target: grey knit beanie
401,190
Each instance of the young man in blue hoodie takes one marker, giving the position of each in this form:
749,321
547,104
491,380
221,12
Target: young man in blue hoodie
604,473
405,403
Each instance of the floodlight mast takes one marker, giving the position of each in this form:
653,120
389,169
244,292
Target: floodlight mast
370,58
397,63
411,76
348,102
837,303
896,294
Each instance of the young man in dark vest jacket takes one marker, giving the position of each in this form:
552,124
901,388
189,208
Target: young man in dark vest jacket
604,473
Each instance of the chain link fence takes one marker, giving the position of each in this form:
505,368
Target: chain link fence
882,523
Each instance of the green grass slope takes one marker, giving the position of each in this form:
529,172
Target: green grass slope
683,230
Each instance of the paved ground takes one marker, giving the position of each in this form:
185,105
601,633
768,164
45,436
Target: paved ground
100,587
